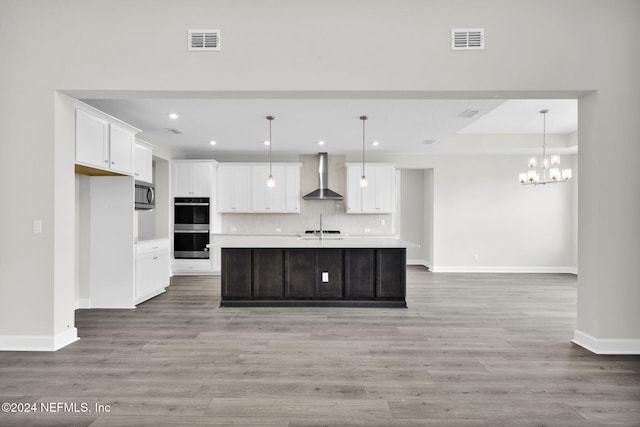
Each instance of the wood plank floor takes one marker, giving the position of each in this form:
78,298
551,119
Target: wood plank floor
471,350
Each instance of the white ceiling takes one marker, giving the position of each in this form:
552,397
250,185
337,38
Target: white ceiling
399,125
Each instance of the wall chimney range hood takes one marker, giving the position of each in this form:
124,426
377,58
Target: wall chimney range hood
323,192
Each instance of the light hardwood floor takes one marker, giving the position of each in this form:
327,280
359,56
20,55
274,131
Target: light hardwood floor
471,350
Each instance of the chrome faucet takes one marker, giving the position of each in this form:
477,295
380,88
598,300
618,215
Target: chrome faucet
321,232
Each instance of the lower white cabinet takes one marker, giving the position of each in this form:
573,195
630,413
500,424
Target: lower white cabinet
152,268
192,266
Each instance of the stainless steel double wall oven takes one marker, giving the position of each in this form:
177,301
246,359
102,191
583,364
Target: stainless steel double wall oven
191,227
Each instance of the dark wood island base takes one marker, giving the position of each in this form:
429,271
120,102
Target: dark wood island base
313,277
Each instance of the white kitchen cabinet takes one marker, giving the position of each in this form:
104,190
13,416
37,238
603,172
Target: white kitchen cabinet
242,188
92,140
378,196
193,178
234,188
292,192
103,142
143,161
121,147
152,268
192,266
266,199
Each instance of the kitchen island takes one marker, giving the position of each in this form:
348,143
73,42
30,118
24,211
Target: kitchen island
266,271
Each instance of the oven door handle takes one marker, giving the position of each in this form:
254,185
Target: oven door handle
191,231
191,204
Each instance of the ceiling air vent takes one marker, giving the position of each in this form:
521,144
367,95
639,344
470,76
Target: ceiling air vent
174,131
467,39
204,40
467,114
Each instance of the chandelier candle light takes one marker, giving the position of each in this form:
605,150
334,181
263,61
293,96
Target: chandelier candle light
363,178
271,182
533,176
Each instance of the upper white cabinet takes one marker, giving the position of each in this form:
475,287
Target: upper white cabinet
143,162
121,147
193,178
242,187
92,140
292,192
267,199
104,142
234,188
377,196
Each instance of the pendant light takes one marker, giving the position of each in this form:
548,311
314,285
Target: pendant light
535,177
363,178
271,182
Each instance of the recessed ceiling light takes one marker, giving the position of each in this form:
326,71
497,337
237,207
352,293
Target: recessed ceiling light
212,142
173,116
375,143
320,142
267,143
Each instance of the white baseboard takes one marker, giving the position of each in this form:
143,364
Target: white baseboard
497,269
38,342
606,345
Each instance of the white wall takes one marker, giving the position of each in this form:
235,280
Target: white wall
480,208
428,218
413,60
412,213
485,220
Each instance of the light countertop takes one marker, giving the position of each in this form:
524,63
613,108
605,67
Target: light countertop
310,241
149,240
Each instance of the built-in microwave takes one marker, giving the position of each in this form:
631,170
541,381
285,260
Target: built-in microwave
145,196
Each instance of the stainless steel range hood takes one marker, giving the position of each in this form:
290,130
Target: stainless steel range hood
323,192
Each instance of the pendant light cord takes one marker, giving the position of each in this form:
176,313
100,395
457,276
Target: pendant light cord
270,118
363,118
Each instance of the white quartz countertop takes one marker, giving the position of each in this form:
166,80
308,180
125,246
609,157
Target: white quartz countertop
311,241
150,240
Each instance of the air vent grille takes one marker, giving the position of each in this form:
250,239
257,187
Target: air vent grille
174,131
467,39
204,40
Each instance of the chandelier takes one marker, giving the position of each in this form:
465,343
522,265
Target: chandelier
539,176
